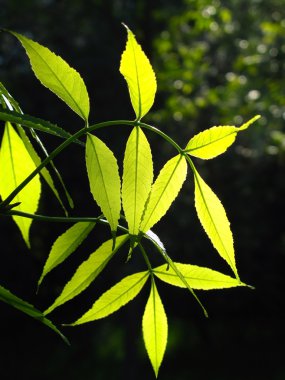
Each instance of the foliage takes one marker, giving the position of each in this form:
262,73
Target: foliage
144,201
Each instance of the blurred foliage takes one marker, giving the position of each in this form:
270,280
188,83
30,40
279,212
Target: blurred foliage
219,64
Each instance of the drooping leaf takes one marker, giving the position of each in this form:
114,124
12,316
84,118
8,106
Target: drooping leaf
65,245
16,302
214,220
140,77
10,105
155,329
164,190
116,297
55,74
215,141
35,123
197,277
103,174
15,166
88,271
137,178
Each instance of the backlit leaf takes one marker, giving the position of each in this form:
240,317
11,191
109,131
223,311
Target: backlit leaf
116,297
16,302
137,178
88,271
15,166
103,174
155,329
214,220
215,141
140,77
164,190
65,245
197,277
54,73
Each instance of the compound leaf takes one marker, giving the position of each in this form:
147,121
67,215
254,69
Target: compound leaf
16,302
215,141
65,245
55,74
103,174
116,297
88,271
137,178
197,277
140,77
164,190
16,165
155,329
214,220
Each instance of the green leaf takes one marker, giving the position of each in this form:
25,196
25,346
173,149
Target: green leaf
155,329
9,102
214,141
88,271
35,123
137,178
16,165
214,220
103,174
116,297
164,190
16,302
140,77
65,245
197,277
55,74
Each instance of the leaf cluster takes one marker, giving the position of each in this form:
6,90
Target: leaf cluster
130,205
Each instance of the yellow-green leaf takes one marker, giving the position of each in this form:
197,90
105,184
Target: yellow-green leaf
140,77
215,141
103,174
214,220
88,271
116,297
16,165
54,73
197,277
155,329
65,245
137,178
164,190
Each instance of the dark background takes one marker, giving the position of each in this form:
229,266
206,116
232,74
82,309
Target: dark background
217,62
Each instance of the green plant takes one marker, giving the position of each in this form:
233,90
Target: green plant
144,200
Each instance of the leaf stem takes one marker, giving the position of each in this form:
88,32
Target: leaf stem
145,257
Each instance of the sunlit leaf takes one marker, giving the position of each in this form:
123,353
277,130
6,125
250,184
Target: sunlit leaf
197,277
137,178
15,166
155,329
16,302
88,271
214,220
65,245
54,73
103,174
215,141
164,190
116,297
10,105
140,77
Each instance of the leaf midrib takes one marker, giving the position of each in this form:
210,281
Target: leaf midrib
161,195
211,142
